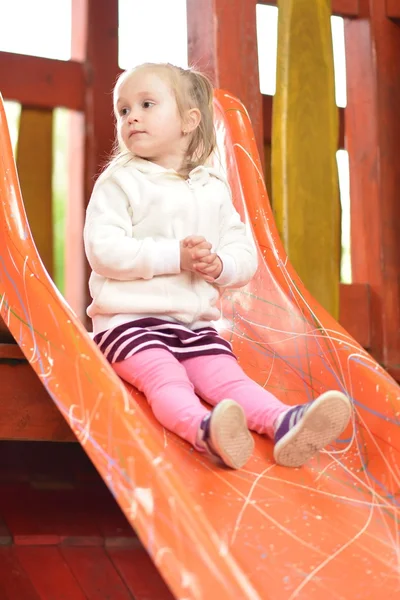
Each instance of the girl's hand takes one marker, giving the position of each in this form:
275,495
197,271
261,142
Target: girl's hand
209,268
208,265
194,249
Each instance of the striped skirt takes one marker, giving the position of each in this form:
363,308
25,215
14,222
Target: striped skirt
124,341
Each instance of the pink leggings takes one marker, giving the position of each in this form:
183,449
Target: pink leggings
171,387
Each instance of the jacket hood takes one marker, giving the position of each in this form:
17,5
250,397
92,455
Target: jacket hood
200,175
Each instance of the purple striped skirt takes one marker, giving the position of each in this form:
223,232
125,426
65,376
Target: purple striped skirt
124,341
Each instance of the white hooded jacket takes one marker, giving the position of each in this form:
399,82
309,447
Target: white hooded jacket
136,217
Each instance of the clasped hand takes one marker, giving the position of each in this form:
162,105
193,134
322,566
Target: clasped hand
196,256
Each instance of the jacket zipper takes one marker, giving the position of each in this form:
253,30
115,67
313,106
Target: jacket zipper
192,275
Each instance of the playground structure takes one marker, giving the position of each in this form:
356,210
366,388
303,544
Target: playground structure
210,532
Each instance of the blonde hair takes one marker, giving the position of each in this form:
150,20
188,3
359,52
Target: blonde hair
192,89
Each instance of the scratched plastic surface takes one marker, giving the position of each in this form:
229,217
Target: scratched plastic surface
328,530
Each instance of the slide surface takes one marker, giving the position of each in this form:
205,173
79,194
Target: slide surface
328,530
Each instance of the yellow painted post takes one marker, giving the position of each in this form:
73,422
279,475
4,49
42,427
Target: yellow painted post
304,144
35,166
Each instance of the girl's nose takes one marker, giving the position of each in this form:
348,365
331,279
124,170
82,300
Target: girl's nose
132,117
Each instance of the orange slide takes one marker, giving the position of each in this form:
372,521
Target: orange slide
328,530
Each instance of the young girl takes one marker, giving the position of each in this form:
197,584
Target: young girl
163,238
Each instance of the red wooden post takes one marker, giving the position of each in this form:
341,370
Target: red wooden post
373,141
74,257
393,9
222,39
95,43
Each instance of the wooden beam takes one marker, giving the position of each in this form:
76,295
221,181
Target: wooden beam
95,43
340,8
373,142
267,119
26,410
5,334
395,373
222,41
75,274
75,288
42,82
393,9
11,351
354,314
101,57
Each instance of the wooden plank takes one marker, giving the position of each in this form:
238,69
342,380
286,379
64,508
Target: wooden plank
35,526
373,141
26,410
5,334
75,266
97,47
354,313
42,82
10,351
60,511
395,373
222,41
102,55
5,535
267,171
49,573
139,573
267,104
114,526
95,573
14,582
45,465
35,167
342,129
75,262
305,132
340,8
60,514
267,121
86,510
55,516
393,9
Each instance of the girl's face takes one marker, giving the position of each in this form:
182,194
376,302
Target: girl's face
148,120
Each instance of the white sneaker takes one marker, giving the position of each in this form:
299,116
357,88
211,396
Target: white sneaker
307,428
224,433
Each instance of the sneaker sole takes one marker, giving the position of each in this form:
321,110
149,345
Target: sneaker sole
229,434
323,422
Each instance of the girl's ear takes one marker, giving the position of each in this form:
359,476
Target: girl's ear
192,120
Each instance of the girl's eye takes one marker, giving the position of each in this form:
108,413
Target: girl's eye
148,104
123,112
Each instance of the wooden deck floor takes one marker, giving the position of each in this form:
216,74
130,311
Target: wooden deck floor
62,536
